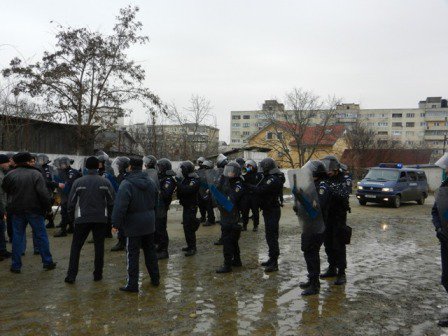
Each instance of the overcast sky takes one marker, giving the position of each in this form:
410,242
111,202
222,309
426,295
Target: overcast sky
379,53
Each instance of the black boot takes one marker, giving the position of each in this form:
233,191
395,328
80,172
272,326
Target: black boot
313,288
341,279
202,220
255,229
224,269
119,246
60,233
273,267
185,249
244,227
50,225
443,323
305,284
236,262
329,273
162,255
190,252
266,263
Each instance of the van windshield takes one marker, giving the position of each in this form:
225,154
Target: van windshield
382,175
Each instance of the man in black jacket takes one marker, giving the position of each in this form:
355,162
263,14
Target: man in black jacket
90,206
134,213
28,201
187,193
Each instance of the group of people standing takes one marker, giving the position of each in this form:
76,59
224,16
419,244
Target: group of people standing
130,197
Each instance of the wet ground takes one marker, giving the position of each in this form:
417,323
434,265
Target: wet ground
393,286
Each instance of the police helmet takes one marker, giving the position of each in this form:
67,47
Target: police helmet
267,165
163,165
221,161
120,164
207,164
42,159
232,170
186,167
150,161
63,162
241,162
331,162
200,161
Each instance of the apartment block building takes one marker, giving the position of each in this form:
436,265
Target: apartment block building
425,126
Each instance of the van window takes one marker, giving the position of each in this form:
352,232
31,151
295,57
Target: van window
403,175
421,176
412,176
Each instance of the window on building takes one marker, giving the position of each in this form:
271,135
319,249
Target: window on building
383,133
422,114
396,133
236,117
410,115
235,140
409,142
279,135
434,106
246,125
245,133
409,132
269,135
410,124
235,125
397,115
370,124
423,123
383,124
436,123
246,116
383,115
397,124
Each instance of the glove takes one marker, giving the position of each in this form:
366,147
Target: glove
294,207
441,235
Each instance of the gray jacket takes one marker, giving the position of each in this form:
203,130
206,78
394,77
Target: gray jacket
91,199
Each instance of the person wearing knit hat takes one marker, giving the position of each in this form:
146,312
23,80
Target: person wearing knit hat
22,158
89,207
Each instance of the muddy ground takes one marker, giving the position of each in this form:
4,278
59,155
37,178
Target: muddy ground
393,286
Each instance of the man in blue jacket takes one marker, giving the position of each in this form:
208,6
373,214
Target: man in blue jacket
134,213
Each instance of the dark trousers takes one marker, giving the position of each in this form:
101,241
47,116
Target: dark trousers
271,224
444,255
133,246
161,235
335,247
206,210
9,227
311,245
191,225
80,234
230,236
2,234
250,203
65,220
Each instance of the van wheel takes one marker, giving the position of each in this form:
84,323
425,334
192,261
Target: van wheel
397,201
361,202
422,199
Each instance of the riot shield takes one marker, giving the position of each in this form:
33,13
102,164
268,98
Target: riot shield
154,176
212,177
306,200
203,187
442,207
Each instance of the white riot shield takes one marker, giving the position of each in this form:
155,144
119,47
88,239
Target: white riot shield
306,200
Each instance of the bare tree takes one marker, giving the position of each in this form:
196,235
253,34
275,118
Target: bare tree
88,80
197,126
301,125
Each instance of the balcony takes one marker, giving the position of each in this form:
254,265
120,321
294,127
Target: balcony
441,118
434,137
437,128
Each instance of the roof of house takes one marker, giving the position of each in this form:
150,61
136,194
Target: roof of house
373,157
321,135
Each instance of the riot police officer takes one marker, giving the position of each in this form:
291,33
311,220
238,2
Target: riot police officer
150,163
120,166
167,184
231,187
206,174
336,231
200,161
270,191
221,162
66,175
312,227
106,170
187,193
441,226
48,172
250,202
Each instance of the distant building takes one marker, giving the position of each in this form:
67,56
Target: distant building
37,136
177,142
118,143
317,141
422,127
